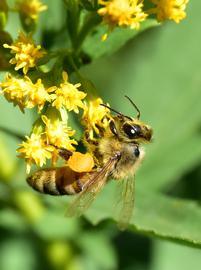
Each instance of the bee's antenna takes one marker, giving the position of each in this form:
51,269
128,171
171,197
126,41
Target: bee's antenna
135,106
122,115
111,109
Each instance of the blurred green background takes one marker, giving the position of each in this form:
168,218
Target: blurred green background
160,69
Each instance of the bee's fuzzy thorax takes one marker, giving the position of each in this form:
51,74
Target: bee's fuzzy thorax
128,162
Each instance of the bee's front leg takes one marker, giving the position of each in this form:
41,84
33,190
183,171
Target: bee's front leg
89,140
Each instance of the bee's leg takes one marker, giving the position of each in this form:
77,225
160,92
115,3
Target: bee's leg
101,130
63,152
89,140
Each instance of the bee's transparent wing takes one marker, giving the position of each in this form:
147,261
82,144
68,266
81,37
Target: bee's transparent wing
126,201
94,186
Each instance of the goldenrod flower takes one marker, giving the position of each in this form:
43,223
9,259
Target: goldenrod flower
58,134
37,94
68,96
169,9
13,90
30,8
35,151
95,116
24,93
26,52
122,13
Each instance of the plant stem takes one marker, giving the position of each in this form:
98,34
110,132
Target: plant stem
90,22
73,19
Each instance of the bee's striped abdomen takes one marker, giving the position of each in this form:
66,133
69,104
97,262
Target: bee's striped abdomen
56,181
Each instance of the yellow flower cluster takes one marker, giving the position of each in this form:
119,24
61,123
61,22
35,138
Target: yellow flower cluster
51,132
30,8
68,96
130,13
26,52
170,9
37,95
58,134
122,12
95,117
24,93
48,135
35,151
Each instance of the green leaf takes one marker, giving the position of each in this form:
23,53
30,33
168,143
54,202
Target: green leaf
155,214
162,75
168,256
95,47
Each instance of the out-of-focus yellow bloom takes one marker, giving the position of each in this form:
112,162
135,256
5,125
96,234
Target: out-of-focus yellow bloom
26,52
24,93
13,90
58,134
122,12
95,115
169,10
30,8
35,151
37,95
68,96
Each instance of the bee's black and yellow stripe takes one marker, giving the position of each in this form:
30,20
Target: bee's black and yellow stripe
57,181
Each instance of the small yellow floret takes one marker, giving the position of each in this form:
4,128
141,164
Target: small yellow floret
35,151
30,8
169,10
79,162
37,95
95,115
122,13
68,95
58,134
26,52
13,90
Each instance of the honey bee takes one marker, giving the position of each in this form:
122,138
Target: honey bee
117,152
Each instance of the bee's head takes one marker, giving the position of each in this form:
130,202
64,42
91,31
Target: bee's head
135,130
130,129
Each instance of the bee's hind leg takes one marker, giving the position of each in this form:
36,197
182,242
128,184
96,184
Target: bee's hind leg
63,152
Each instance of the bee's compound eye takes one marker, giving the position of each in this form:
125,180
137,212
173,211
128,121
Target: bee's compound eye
136,152
131,131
